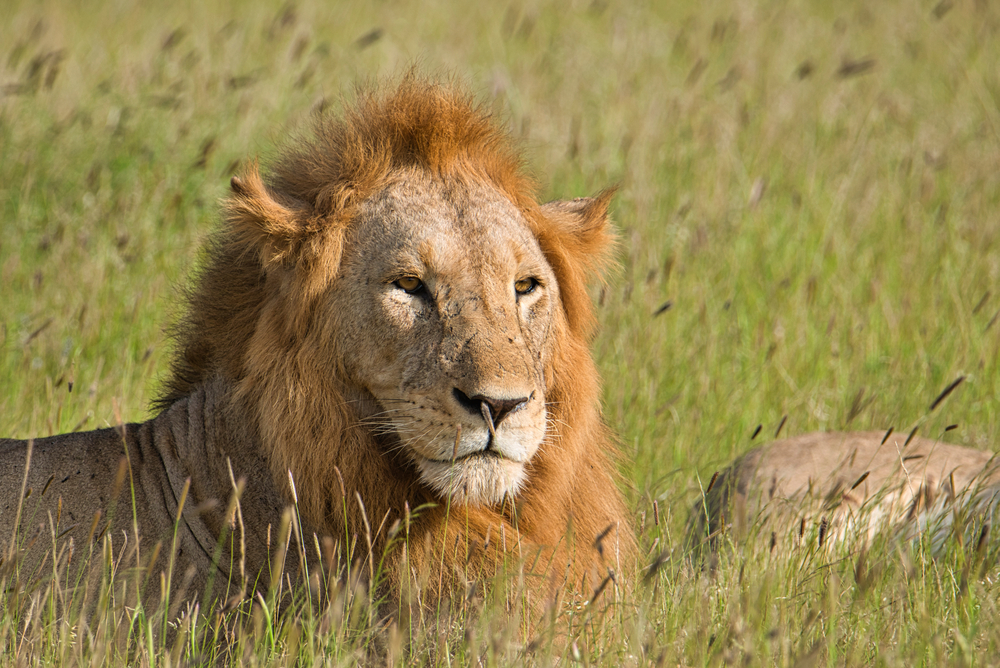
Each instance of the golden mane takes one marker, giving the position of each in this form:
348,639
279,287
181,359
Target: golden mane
254,320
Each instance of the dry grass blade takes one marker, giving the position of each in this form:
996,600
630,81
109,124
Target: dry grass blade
946,391
852,68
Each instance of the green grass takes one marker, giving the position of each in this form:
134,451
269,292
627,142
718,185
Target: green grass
811,185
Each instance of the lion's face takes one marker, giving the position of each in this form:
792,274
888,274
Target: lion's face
444,310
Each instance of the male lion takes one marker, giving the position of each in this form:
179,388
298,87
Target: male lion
830,486
392,321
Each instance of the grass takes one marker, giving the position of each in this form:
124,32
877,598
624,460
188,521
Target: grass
811,186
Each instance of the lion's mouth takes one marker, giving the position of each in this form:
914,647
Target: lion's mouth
488,452
484,476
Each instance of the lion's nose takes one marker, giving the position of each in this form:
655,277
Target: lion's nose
498,409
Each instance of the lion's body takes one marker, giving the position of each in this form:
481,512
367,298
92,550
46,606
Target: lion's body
853,484
83,487
391,321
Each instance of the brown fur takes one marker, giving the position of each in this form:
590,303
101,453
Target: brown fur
255,320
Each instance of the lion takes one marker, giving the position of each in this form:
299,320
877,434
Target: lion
389,332
848,486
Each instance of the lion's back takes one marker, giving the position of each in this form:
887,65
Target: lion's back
78,468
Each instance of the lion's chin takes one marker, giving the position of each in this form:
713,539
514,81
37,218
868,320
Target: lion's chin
476,481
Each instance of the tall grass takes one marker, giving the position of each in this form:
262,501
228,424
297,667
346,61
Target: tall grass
810,186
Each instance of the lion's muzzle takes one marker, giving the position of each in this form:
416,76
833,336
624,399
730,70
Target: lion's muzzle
492,409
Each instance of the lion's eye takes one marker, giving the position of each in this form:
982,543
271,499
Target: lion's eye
525,286
409,284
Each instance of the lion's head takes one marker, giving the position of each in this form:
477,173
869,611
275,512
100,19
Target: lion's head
401,321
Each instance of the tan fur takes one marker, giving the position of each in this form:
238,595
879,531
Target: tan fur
173,478
853,485
355,387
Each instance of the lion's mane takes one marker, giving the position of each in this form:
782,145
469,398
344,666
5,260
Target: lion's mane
254,321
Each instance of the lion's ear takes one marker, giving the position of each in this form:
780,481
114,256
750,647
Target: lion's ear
584,226
577,240
273,226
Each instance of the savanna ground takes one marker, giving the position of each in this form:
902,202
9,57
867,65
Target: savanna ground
809,235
